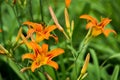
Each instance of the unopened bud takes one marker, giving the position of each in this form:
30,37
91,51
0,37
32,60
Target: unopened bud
84,68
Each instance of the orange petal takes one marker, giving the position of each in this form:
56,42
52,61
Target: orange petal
45,34
55,52
108,31
30,33
89,25
39,37
36,48
50,28
28,23
67,3
53,64
36,26
96,32
55,37
28,56
34,66
44,48
93,20
104,22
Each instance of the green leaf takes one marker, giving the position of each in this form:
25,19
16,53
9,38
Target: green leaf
42,76
1,77
15,67
115,73
50,71
96,64
117,55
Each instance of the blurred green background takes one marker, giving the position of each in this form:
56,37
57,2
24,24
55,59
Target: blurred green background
102,49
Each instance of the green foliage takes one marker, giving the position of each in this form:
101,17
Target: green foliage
105,51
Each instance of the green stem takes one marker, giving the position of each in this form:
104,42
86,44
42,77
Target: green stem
16,14
84,42
74,52
62,67
41,11
82,47
30,9
82,76
66,35
3,38
16,46
79,78
74,55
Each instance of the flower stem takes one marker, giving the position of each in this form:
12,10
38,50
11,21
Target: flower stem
66,35
30,9
82,46
3,38
16,15
41,11
84,42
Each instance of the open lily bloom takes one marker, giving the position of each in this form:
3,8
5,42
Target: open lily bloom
97,28
41,32
41,56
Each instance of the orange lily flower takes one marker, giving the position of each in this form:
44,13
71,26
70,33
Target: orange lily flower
41,32
97,28
41,56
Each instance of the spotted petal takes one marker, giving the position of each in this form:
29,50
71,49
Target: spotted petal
34,66
55,53
104,22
